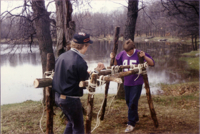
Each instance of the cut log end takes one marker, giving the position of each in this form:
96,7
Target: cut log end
36,83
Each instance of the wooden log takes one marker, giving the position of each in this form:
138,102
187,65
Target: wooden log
116,37
90,104
122,74
121,67
49,96
148,94
105,72
84,84
44,82
111,78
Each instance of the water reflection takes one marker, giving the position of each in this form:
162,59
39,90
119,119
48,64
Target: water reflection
20,69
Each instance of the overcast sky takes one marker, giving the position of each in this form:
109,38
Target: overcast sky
97,5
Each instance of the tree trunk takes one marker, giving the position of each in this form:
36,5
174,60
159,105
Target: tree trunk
131,19
42,25
129,31
65,27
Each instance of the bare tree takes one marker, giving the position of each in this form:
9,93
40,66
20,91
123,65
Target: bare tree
33,21
42,26
186,14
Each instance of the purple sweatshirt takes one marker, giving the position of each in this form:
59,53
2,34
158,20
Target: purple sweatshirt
123,59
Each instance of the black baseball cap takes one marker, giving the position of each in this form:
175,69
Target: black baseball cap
82,38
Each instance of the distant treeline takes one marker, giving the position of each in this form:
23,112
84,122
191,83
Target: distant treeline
158,18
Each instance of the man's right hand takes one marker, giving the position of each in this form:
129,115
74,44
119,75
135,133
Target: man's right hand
99,67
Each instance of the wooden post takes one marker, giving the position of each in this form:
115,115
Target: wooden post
116,37
90,99
148,94
49,96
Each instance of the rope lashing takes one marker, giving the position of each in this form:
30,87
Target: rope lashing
114,69
101,80
49,74
139,67
145,66
92,85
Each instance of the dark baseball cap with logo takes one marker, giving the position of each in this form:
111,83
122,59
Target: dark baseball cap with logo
82,38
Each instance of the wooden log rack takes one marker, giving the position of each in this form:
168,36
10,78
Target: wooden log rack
107,77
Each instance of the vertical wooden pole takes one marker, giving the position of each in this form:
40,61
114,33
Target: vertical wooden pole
90,100
49,96
192,42
148,94
195,48
116,37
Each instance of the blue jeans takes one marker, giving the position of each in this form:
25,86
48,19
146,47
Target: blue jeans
72,108
132,95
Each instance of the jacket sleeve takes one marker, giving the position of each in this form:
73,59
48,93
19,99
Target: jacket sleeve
82,71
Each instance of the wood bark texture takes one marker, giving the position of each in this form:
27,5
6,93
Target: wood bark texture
116,37
90,105
42,26
131,19
65,26
44,82
84,84
49,96
148,94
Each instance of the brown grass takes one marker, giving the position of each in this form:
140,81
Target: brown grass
176,114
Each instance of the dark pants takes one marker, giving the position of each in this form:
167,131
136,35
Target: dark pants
72,108
132,95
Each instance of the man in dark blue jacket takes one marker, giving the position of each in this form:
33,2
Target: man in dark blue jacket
70,69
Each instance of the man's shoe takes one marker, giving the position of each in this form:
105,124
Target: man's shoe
129,129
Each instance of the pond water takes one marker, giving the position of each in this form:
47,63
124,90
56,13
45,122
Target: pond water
19,69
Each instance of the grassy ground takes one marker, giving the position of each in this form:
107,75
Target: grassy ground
175,113
192,59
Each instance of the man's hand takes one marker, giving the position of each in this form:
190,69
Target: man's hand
99,67
149,61
112,55
142,54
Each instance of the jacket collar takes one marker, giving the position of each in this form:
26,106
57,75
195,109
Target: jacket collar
76,51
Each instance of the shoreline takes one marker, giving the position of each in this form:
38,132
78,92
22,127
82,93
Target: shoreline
137,39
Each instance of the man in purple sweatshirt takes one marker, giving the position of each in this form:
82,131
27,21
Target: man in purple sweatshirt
132,88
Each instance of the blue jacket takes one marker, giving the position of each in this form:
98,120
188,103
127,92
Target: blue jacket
70,69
